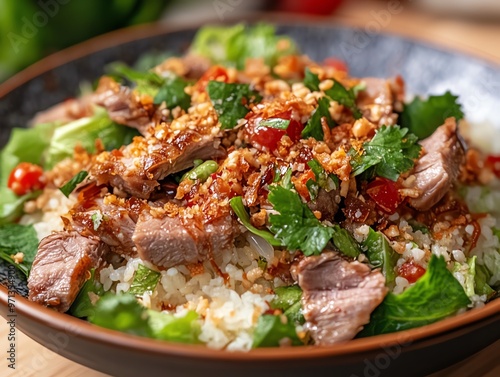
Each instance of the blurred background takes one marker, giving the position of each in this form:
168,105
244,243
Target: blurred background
32,29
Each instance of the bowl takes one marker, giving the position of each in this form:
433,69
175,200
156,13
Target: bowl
414,352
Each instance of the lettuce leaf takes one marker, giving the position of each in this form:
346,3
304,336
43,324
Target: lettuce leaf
271,330
233,45
381,255
435,296
175,329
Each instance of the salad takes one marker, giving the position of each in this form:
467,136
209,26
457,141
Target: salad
243,195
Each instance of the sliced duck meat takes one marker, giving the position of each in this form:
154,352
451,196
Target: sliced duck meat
137,168
438,169
111,219
169,241
338,296
61,267
376,101
125,106
327,202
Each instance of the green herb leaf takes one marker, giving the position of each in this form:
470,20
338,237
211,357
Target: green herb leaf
85,132
69,187
278,123
314,128
175,329
345,97
436,295
83,307
145,280
381,255
15,238
231,101
311,80
234,45
344,242
146,82
271,330
286,181
240,211
173,94
390,153
296,226
423,117
123,313
481,282
288,300
328,182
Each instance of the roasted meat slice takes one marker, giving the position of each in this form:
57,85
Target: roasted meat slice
438,169
61,267
137,168
124,106
338,296
170,241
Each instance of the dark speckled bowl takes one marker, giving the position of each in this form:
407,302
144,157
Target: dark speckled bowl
416,352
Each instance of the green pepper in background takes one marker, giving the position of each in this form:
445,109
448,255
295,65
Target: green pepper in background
29,30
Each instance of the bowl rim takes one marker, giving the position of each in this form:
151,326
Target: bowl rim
66,323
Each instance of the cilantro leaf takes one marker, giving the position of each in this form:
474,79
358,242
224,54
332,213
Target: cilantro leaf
145,280
271,330
145,82
423,117
15,238
314,128
230,101
345,97
173,94
390,153
70,186
296,226
436,295
311,80
175,329
240,211
344,242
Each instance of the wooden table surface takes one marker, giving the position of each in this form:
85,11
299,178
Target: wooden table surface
478,37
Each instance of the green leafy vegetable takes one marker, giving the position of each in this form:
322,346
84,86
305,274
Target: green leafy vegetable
234,45
85,132
240,211
328,182
69,187
416,226
11,205
146,82
311,80
173,94
481,280
202,171
271,330
296,226
84,305
423,117
314,128
278,123
381,255
390,153
286,181
469,274
123,313
175,329
436,295
343,241
231,101
15,238
345,97
145,280
288,300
